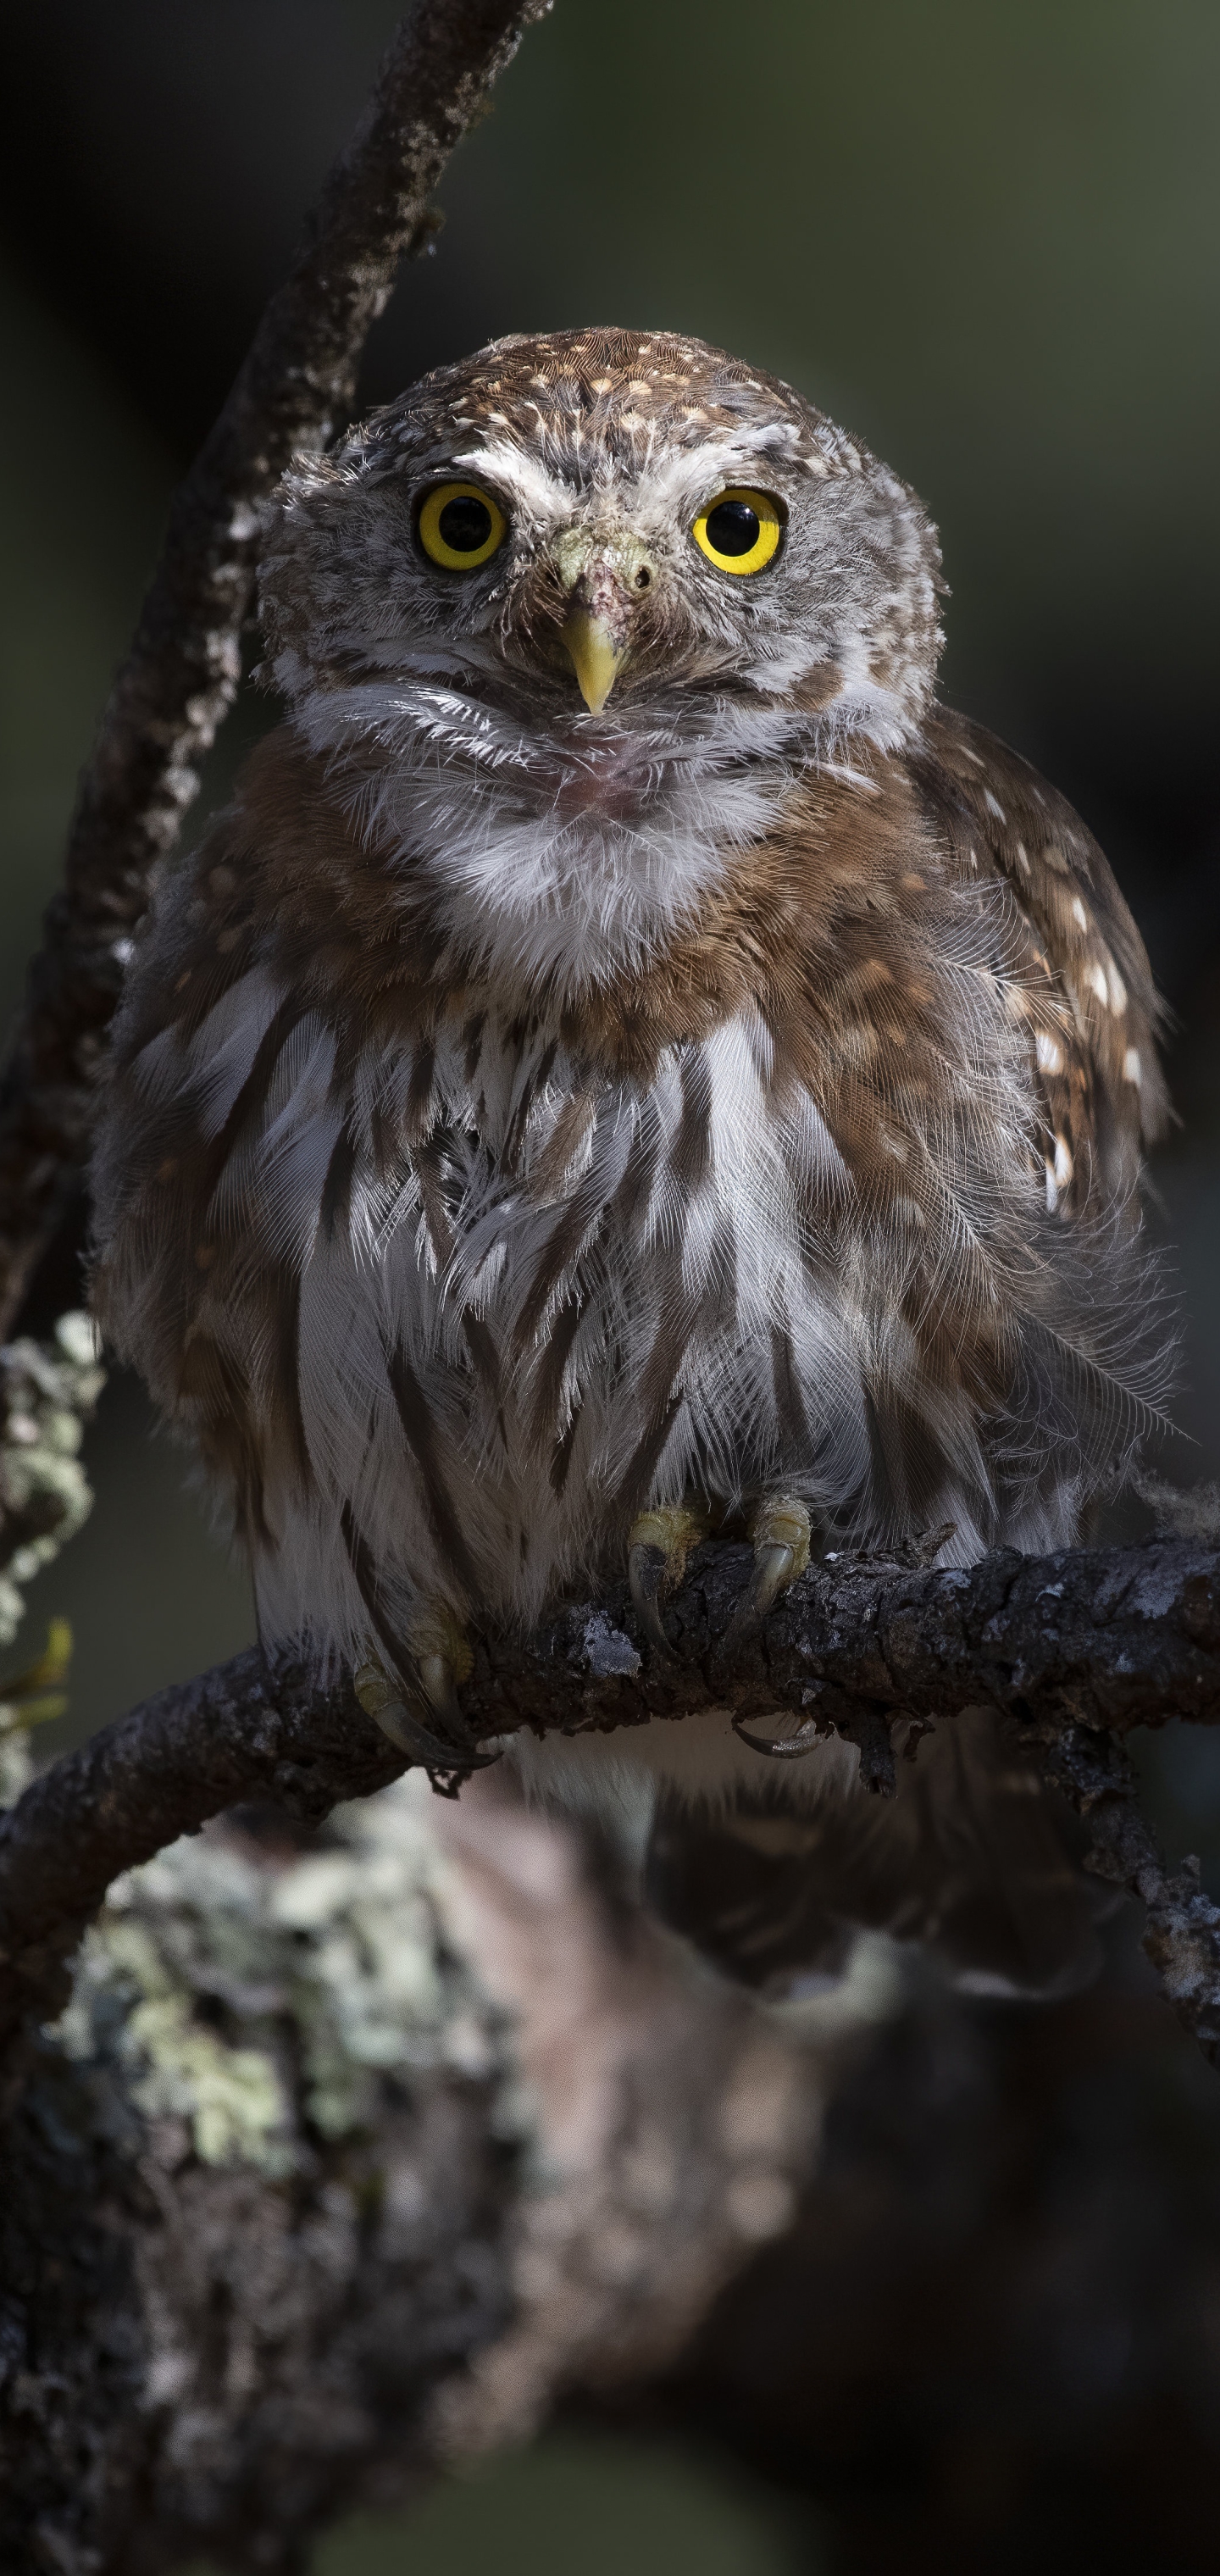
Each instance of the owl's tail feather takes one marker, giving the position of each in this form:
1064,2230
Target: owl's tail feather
969,1858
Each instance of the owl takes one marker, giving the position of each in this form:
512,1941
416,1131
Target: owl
630,1062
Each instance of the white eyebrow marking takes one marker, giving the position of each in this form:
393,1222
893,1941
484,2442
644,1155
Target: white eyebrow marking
660,479
521,475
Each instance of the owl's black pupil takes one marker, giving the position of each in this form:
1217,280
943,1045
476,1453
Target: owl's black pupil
732,527
464,524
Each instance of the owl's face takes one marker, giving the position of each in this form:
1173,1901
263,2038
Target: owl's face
568,623
598,531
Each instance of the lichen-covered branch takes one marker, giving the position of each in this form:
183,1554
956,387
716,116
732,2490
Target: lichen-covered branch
356,2158
1076,1647
345,2162
295,388
236,1733
350,2160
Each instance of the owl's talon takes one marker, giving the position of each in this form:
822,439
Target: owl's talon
657,1550
439,1685
782,1748
646,1574
439,1658
773,1571
781,1536
384,1700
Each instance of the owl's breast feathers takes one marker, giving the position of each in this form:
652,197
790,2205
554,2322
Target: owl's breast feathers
837,1187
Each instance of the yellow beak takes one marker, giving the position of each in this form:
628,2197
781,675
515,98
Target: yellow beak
594,655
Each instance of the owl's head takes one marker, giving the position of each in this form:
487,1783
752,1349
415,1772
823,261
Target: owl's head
587,530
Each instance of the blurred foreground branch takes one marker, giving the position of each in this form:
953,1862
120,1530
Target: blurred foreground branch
1073,1650
349,2163
358,2155
295,389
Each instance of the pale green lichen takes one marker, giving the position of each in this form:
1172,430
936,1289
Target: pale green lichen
231,2096
48,1391
264,1999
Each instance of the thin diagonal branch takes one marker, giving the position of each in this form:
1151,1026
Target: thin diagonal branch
1074,1649
295,389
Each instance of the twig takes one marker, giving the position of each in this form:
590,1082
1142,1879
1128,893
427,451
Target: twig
1182,1934
294,389
1073,1649
237,1733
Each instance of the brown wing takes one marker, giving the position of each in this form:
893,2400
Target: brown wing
197,1279
1092,1009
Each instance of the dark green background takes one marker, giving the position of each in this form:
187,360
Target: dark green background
985,236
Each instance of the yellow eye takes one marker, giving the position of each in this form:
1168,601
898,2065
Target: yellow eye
460,526
740,530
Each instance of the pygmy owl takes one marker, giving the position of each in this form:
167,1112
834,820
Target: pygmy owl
628,1058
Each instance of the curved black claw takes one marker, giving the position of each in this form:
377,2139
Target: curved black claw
782,1748
647,1567
384,1701
781,1553
658,1545
438,1683
773,1569
774,1566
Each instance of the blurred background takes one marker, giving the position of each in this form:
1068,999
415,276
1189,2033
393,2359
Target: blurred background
985,235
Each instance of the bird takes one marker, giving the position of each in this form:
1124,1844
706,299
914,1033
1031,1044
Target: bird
630,1063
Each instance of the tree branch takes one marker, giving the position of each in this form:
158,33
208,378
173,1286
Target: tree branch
1110,1638
349,2163
1074,1649
294,389
237,1733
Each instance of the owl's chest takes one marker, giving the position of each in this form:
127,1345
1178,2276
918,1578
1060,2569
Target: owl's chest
540,1184
609,1286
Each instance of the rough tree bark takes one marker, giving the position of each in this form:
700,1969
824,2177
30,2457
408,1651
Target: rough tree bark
354,2158
1073,1649
348,2162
